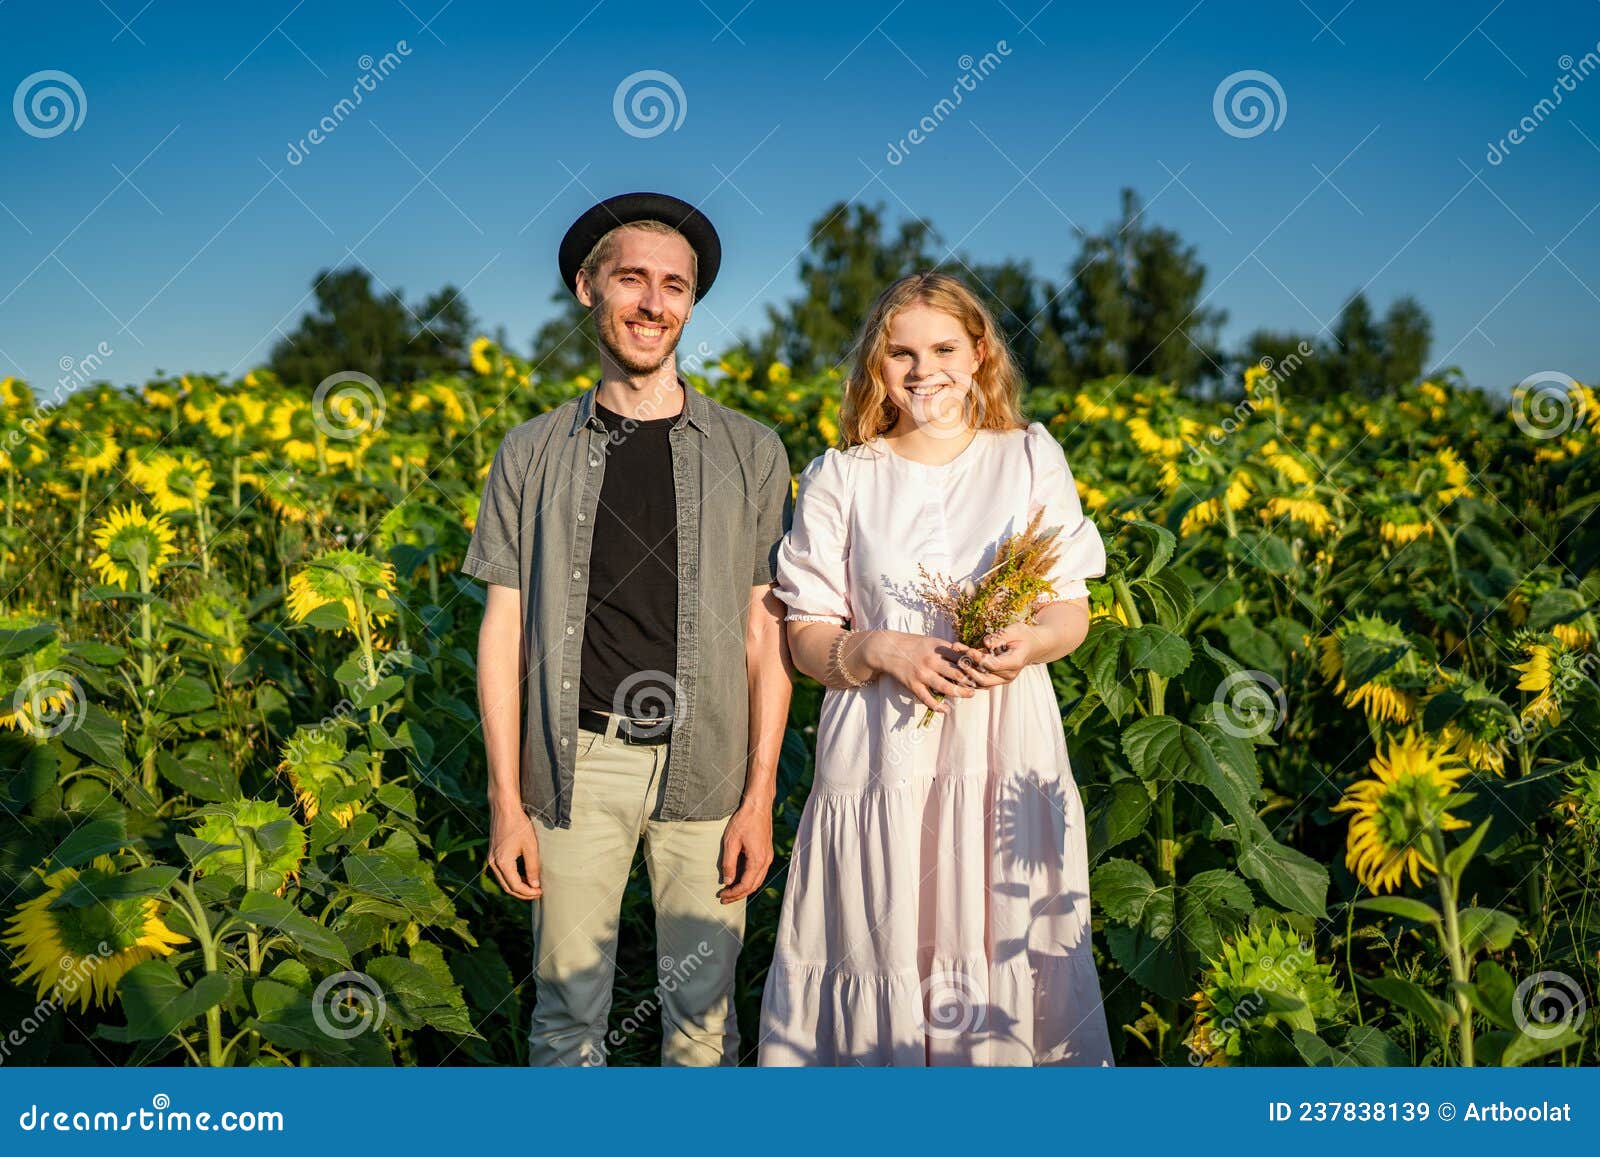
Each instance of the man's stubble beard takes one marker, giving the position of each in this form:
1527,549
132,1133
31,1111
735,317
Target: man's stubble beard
606,331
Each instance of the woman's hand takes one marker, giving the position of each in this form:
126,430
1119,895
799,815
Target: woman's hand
925,665
1006,653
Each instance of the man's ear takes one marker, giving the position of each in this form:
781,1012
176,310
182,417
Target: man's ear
583,289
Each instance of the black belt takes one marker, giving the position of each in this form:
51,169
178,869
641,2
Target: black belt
629,731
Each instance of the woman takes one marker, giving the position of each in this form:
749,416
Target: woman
937,904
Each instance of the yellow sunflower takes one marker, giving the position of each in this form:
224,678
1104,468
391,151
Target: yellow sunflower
1402,523
81,953
313,760
93,454
132,541
1415,779
1549,670
336,577
1390,694
173,482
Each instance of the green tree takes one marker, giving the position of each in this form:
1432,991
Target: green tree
850,260
1133,305
353,328
1407,339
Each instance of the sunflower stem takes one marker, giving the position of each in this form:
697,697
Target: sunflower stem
208,952
1454,948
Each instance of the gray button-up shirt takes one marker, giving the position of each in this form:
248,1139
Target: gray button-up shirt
533,532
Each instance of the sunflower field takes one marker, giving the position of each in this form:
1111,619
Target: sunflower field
1334,722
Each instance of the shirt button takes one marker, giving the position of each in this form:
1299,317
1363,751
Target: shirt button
594,461
569,630
565,684
577,574
563,741
583,518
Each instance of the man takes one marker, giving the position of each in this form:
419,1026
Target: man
628,538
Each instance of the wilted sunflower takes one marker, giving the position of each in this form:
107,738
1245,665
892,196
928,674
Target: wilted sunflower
278,839
313,760
82,953
336,577
1389,695
1415,781
128,540
1266,984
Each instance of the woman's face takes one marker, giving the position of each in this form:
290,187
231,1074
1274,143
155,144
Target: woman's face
928,368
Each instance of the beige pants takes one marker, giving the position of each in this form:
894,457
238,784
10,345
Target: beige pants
584,870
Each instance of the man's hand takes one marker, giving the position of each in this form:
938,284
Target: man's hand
746,852
511,837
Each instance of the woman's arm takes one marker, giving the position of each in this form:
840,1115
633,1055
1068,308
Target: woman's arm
926,666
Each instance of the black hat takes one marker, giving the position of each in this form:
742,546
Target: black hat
587,230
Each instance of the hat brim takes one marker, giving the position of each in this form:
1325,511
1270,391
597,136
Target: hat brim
626,208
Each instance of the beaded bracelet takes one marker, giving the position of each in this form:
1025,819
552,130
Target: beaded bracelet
836,659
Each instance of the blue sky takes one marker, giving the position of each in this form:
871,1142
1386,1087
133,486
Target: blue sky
170,224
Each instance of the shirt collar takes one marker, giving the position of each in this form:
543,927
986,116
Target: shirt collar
696,408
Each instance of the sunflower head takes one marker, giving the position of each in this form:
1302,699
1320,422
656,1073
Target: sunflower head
1551,670
134,546
36,691
266,831
92,454
351,579
216,613
1401,523
1374,665
1266,984
80,952
174,481
1579,805
1415,781
313,759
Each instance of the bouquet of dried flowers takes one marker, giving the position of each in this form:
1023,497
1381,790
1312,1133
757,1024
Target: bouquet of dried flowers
1004,594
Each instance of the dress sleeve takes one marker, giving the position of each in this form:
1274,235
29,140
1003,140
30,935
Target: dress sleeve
812,557
1081,553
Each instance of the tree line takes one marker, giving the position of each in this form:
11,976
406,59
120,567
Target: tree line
1132,300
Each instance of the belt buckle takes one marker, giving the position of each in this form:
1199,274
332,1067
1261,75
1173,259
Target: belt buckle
631,731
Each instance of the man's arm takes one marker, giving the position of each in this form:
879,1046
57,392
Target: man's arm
501,670
749,833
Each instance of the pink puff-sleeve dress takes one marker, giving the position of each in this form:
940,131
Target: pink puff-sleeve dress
936,908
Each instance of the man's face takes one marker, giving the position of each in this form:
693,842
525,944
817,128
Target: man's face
642,298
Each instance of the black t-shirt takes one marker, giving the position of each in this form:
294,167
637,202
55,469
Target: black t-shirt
630,638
